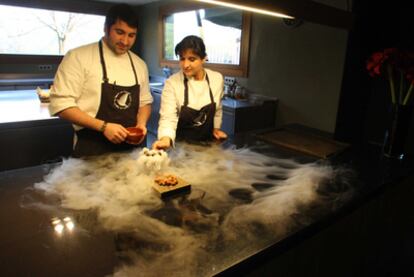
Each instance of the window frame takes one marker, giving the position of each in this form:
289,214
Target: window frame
240,70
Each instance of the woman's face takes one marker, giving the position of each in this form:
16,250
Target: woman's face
191,64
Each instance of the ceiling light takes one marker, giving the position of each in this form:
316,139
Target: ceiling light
246,8
307,10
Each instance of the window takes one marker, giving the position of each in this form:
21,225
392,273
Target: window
225,33
45,33
222,42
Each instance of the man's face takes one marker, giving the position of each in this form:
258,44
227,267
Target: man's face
120,37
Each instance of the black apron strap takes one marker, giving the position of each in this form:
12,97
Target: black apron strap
185,91
209,88
104,74
133,68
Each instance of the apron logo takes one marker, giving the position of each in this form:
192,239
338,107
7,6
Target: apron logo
200,119
122,100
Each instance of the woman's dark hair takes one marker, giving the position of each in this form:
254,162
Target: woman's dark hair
193,43
122,12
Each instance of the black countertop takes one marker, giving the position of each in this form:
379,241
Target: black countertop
212,230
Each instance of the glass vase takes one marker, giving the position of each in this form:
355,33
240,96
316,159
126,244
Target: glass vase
398,124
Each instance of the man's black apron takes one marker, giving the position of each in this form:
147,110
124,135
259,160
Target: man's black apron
118,104
196,125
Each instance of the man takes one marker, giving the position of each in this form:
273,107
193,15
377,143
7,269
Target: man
102,88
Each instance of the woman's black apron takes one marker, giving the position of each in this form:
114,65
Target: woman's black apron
118,104
196,125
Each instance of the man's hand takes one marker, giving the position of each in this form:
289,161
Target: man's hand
136,138
163,143
115,133
142,127
219,134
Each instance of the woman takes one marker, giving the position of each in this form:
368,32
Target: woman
191,107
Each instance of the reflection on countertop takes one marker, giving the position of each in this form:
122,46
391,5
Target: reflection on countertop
157,87
156,84
22,105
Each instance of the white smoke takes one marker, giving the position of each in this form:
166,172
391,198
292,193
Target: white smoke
241,201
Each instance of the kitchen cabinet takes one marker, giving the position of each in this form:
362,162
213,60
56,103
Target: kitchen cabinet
28,134
32,143
10,84
247,115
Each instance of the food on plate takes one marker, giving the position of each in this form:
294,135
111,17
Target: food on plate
166,180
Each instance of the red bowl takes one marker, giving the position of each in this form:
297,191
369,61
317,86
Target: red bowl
135,135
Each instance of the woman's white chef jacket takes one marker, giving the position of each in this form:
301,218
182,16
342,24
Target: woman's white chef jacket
198,96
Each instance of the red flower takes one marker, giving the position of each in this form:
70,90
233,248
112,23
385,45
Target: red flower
394,64
374,64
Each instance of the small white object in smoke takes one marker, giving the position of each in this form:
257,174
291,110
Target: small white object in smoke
153,161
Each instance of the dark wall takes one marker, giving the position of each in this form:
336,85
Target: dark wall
301,66
364,101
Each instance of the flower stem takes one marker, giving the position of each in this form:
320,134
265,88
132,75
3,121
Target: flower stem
391,80
410,89
401,86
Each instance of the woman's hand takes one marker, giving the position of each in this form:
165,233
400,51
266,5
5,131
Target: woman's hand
163,143
115,133
219,134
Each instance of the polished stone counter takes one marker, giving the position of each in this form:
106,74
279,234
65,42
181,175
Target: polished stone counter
30,245
22,105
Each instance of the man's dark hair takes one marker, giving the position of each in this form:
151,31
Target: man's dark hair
193,43
122,12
